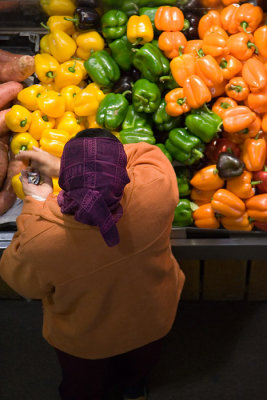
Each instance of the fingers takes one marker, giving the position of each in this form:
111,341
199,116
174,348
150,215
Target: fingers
27,154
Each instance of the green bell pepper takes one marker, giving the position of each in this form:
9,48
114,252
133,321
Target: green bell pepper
204,123
156,3
112,110
164,150
163,121
130,7
150,61
114,24
121,51
184,146
167,83
136,135
135,119
146,96
150,12
183,178
183,214
102,68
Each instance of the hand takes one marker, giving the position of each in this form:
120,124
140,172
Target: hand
45,163
42,190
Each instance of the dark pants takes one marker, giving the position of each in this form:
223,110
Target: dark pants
84,379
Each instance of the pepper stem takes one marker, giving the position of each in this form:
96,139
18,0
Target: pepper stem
72,69
126,92
244,25
253,183
236,88
186,24
265,168
45,26
23,147
250,44
142,98
200,53
23,122
50,74
181,101
225,105
197,153
74,20
137,42
257,136
223,63
45,118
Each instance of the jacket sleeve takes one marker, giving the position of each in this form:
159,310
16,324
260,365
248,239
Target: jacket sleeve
16,266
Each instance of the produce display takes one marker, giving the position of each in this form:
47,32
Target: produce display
189,77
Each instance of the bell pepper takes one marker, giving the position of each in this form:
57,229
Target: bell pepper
125,83
91,122
46,67
236,119
39,123
136,135
22,141
184,146
61,45
139,29
250,132
182,67
121,51
204,217
175,103
146,96
69,92
167,82
85,18
88,42
237,89
222,104
229,166
257,207
68,73
163,121
169,19
248,17
207,179
196,91
230,66
211,18
260,38
214,43
18,119
258,101
255,75
164,150
241,45
220,145
69,123
56,187
112,111
114,23
28,96
183,177
204,123
218,89
201,196
134,119
242,223
44,44
102,69
58,7
151,62
242,186
54,140
227,204
208,70
191,21
261,225
87,101
194,47
228,18
151,13
58,22
171,43
51,103
254,153
17,186
183,213
261,177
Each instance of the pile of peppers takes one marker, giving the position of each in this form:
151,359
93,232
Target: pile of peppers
191,81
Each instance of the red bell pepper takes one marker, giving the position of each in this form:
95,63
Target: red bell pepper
221,145
261,176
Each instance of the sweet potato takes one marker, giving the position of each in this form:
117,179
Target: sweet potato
4,141
3,127
9,91
6,56
7,194
17,70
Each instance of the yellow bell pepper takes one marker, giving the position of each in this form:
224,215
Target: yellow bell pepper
61,45
69,123
87,42
91,122
56,187
69,92
22,141
81,65
68,73
58,7
58,22
51,103
28,96
54,140
87,101
46,67
18,119
139,29
44,44
17,186
39,123
49,86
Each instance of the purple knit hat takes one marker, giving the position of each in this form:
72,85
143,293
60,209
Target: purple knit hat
93,176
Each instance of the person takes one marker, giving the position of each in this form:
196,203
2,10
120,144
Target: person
99,257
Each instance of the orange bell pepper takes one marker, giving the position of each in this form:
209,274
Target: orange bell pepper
251,131
218,89
207,20
222,104
260,38
207,179
255,74
171,43
264,122
258,101
201,196
169,19
248,17
242,186
228,18
208,70
236,119
237,88
196,91
254,153
227,204
241,45
257,207
214,41
242,223
194,47
229,65
182,67
204,217
176,102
